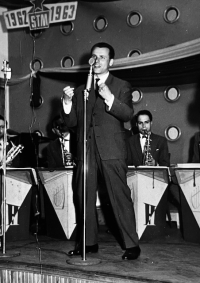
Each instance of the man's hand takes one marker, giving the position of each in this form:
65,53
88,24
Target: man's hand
152,162
68,93
105,92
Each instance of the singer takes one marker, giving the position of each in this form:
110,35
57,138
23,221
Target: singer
108,107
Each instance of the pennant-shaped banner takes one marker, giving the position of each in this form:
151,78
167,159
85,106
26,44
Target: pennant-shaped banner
59,189
146,194
40,16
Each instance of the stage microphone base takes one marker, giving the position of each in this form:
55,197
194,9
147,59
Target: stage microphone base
80,261
10,254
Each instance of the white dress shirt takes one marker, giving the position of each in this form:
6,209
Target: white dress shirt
142,141
102,79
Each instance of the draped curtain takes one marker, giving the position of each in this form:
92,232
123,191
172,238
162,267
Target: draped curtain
178,64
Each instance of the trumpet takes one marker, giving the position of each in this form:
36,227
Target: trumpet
13,152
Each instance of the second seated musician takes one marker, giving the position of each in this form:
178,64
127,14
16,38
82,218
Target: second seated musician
59,150
107,109
196,148
158,154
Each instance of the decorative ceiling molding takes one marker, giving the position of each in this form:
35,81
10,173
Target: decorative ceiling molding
17,4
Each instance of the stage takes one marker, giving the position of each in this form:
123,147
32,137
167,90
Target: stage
166,259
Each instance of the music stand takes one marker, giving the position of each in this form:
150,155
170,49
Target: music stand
148,191
7,76
58,201
188,176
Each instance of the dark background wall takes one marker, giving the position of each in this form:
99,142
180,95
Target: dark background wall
152,34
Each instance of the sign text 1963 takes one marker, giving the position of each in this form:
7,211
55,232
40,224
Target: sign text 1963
52,14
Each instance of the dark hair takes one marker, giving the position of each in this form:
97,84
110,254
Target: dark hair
144,112
57,121
2,118
59,124
105,45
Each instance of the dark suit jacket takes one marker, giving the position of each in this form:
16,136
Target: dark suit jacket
108,126
159,150
54,154
196,153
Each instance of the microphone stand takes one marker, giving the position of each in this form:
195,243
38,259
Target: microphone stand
91,261
86,95
7,76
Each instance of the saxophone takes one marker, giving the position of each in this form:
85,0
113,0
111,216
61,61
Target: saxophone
67,156
148,158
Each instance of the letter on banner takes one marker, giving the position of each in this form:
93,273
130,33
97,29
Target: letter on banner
146,194
16,192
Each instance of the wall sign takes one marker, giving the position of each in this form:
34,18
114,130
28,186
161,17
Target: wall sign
40,16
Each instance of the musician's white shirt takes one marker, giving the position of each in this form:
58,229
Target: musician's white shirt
142,142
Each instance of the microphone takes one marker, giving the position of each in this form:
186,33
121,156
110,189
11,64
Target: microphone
6,69
91,62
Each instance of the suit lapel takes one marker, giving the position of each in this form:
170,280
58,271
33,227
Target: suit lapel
153,143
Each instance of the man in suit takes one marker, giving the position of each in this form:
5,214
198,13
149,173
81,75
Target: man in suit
158,148
108,107
196,148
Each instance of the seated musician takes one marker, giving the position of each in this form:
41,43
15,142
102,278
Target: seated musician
59,151
12,157
196,148
145,147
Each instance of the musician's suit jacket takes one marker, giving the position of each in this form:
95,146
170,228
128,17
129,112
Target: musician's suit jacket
54,154
196,153
159,150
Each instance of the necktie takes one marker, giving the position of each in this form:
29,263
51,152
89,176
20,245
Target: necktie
96,86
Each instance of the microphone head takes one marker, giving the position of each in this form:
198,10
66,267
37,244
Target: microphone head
92,61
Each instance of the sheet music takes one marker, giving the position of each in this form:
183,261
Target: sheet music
34,175
188,165
152,167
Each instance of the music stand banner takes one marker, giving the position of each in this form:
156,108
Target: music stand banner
18,198
58,185
148,185
188,176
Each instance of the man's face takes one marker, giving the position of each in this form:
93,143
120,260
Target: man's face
144,124
2,126
103,61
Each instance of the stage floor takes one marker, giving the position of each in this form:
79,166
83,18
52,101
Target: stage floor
169,259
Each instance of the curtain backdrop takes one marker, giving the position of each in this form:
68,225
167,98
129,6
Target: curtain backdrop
178,64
